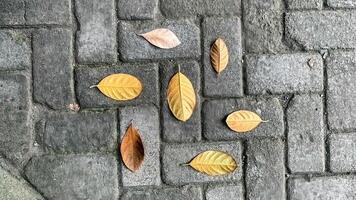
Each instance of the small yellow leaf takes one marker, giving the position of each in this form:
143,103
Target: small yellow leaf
243,121
219,55
162,38
213,163
120,86
181,97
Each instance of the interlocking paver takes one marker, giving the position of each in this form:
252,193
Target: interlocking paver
137,9
342,152
341,3
225,192
182,193
12,12
48,12
305,4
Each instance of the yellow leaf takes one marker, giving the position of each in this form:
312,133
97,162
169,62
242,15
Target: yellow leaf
120,86
243,121
162,38
181,97
219,55
213,163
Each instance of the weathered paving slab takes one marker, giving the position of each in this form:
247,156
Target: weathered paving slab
342,152
306,134
14,92
342,3
265,169
276,74
133,47
225,192
176,154
74,176
322,29
12,12
229,82
173,129
15,50
96,37
137,9
215,113
93,98
332,187
52,68
184,8
305,4
146,120
341,91
182,193
48,12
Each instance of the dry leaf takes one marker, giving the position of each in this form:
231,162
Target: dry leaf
219,55
162,38
120,86
243,121
181,97
213,163
132,151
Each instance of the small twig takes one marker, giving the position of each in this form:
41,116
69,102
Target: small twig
93,86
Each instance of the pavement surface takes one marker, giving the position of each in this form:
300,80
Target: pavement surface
291,61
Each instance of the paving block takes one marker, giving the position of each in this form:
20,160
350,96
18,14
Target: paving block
12,12
173,129
48,12
182,193
305,4
341,3
96,37
229,82
184,8
341,91
329,187
265,173
342,152
52,68
146,120
176,154
79,133
137,9
306,134
316,30
14,92
285,73
74,176
215,113
93,98
15,50
133,47
225,192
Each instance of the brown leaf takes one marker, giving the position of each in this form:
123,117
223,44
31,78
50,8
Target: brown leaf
162,38
219,55
132,151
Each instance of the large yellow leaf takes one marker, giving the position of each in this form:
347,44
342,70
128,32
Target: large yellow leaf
120,86
162,38
219,55
213,163
181,97
243,121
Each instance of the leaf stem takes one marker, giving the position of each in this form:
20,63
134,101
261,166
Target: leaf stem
184,164
93,86
264,121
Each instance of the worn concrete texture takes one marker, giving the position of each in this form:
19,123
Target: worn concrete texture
292,62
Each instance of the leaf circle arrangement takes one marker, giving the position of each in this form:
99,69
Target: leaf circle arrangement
219,55
162,38
120,86
213,163
243,121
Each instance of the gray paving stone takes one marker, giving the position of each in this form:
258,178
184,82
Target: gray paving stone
79,133
305,4
176,154
137,9
12,12
284,73
48,12
342,3
306,134
332,187
265,173
15,50
52,68
134,47
96,37
263,22
229,82
215,113
14,92
184,8
146,120
322,29
225,192
74,176
341,91
182,193
92,97
173,129
342,152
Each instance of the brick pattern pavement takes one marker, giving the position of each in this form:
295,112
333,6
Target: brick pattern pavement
293,62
